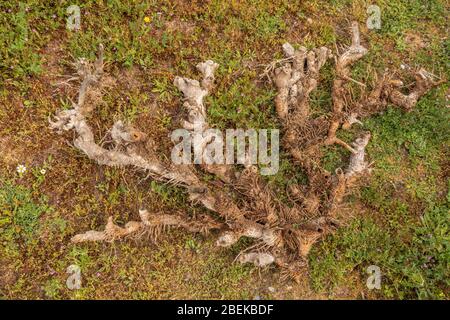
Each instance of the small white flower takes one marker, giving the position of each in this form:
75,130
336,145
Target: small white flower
43,171
21,169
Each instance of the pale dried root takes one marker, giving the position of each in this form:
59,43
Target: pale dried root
111,233
149,222
296,78
268,236
343,63
124,154
357,164
91,76
423,84
194,92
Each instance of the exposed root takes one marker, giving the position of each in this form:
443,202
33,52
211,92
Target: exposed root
321,200
126,153
423,84
388,90
343,64
283,232
75,118
357,163
295,80
150,223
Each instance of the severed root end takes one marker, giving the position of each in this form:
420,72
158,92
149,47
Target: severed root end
123,134
357,163
207,68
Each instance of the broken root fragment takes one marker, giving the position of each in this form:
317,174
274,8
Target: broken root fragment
151,223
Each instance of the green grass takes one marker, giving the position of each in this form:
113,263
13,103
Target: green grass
241,105
406,231
400,16
17,59
20,213
415,267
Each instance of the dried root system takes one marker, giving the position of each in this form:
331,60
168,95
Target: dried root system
283,233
